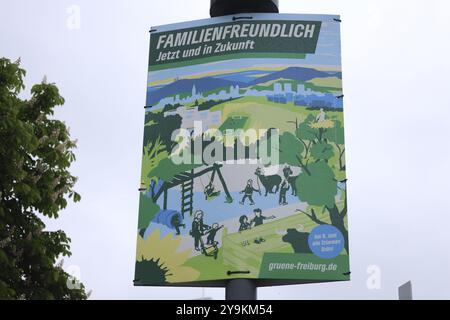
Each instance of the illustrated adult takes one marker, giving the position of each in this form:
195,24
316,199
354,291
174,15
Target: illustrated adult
198,229
248,192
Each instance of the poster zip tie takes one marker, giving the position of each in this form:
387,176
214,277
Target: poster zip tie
340,97
337,20
237,272
242,18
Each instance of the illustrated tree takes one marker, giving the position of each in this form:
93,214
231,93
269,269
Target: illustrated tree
157,141
291,149
158,131
306,134
336,136
317,184
35,154
147,210
322,151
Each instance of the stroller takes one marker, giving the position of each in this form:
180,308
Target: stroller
210,250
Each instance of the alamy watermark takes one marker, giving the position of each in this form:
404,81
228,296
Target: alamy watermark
73,21
374,277
232,146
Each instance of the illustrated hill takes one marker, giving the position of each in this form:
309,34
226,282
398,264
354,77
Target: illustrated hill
296,73
213,83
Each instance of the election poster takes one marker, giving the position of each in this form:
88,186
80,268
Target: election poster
243,158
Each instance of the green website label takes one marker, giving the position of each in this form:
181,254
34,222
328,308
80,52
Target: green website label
305,266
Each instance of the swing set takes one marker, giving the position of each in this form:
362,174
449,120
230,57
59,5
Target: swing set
186,181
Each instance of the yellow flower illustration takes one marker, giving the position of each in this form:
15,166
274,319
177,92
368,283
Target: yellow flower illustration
165,253
325,124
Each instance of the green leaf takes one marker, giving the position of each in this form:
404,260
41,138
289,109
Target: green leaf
76,197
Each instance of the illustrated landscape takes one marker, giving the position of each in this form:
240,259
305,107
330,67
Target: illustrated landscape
206,221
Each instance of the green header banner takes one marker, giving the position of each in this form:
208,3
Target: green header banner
236,39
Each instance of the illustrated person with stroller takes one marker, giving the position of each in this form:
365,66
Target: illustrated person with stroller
198,230
248,192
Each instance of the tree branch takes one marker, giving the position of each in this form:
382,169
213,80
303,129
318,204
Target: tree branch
312,216
304,143
307,149
302,165
344,210
341,153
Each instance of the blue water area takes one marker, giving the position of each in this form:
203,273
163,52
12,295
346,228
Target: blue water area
151,89
217,210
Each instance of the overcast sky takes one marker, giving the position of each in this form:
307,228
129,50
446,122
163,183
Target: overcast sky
397,114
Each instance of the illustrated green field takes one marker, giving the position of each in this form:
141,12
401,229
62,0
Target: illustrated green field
234,123
260,113
233,256
253,113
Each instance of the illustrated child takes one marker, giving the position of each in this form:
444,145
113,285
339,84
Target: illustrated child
283,190
212,233
321,116
243,220
248,192
198,229
209,190
258,220
176,223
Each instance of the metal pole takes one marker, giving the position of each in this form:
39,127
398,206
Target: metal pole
241,289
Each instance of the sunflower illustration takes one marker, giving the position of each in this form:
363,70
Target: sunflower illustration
325,124
159,262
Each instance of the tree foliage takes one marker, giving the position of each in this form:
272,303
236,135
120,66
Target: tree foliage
336,136
290,148
158,130
35,155
322,151
147,210
317,184
304,130
318,187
